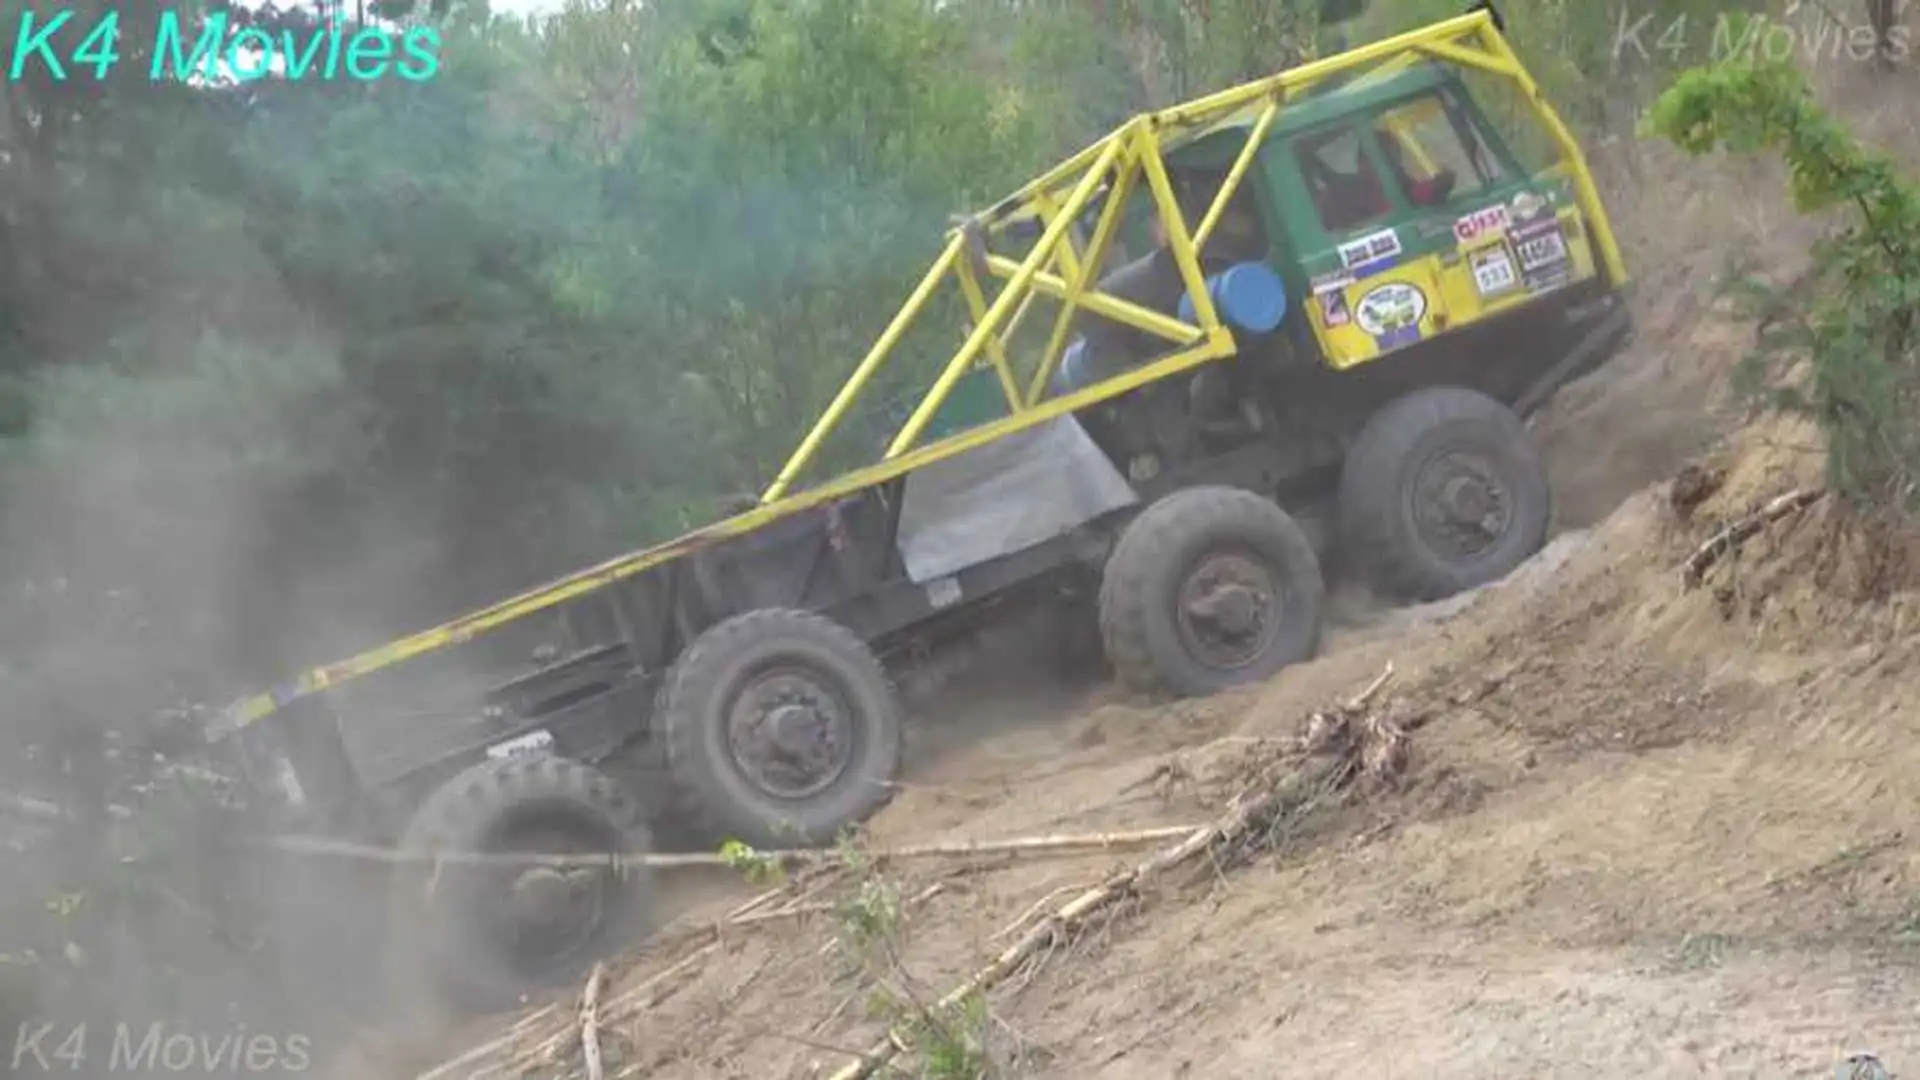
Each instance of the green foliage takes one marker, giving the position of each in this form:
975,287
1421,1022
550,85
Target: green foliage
1846,358
951,1041
1598,60
757,868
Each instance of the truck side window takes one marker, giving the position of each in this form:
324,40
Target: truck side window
1346,191
1239,235
1436,151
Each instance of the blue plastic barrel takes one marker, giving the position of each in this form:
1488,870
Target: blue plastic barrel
1248,295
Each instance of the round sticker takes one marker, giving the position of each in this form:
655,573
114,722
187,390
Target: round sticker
1527,204
1390,309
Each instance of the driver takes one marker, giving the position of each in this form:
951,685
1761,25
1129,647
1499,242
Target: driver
1431,191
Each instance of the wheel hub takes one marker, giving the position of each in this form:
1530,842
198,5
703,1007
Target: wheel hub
796,730
1228,610
1459,505
544,912
789,735
1467,500
1232,608
544,895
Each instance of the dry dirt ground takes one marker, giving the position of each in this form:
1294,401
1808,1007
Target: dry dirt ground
1648,831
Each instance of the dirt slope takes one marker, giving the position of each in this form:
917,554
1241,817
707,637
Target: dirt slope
1649,831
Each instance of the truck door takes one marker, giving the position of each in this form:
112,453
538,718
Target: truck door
1372,278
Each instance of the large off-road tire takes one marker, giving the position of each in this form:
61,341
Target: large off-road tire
485,935
1208,588
1443,491
781,728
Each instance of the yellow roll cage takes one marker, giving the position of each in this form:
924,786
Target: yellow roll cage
1055,268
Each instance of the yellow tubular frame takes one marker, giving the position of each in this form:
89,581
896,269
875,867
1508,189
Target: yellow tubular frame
1128,155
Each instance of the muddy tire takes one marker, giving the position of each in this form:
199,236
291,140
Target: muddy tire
482,936
1442,492
1210,587
781,729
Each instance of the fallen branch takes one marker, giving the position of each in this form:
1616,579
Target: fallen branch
1344,742
590,1023
457,1067
462,1066
646,994
1028,845
1729,539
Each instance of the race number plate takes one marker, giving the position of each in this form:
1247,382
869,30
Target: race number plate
1493,271
1540,252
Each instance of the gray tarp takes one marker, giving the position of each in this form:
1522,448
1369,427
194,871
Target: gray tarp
1005,496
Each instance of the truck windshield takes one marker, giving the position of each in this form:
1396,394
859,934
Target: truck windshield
1437,153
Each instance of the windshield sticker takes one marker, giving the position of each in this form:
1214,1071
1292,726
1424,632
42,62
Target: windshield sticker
1392,313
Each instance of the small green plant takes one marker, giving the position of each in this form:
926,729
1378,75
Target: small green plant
758,868
1841,350
951,1041
869,916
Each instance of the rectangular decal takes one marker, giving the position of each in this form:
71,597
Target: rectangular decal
1480,223
533,742
1542,252
1334,282
1542,258
1539,252
1493,271
1369,249
1333,306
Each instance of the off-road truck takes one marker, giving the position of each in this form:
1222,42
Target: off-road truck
1300,318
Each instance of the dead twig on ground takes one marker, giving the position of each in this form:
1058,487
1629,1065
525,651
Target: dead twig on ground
1342,743
590,1023
1066,844
461,1067
1337,746
1033,909
644,996
1729,539
464,1066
